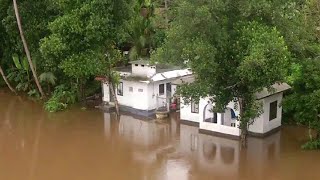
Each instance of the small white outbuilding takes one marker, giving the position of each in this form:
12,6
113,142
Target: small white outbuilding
200,113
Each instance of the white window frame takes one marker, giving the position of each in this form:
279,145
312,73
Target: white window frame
194,107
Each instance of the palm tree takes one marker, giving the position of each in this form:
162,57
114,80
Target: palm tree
6,81
26,49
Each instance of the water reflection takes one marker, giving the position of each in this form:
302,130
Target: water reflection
89,144
190,150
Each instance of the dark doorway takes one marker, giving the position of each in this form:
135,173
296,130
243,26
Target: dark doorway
168,87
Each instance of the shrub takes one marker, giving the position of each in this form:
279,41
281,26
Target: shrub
61,98
312,145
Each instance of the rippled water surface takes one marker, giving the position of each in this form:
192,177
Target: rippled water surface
92,145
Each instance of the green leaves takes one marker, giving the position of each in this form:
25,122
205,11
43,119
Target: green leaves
303,104
235,48
62,97
16,61
82,65
80,36
48,77
263,54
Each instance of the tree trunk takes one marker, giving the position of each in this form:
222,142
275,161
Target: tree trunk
113,93
166,13
243,124
25,45
6,81
310,131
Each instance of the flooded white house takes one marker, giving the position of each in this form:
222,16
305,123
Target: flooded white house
144,87
201,113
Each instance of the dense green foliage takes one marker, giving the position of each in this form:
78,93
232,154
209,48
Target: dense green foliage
61,98
73,41
303,105
312,144
234,47
68,41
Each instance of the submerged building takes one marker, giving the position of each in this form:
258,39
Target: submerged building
200,113
144,87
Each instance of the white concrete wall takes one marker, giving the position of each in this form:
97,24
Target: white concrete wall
207,113
186,114
143,70
262,124
139,100
153,90
257,126
204,101
227,117
218,127
173,89
270,125
134,99
152,93
106,92
146,100
235,131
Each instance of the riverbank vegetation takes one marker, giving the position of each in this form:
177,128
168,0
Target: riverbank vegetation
235,47
71,42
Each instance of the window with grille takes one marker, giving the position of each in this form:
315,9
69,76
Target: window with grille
273,110
194,107
161,89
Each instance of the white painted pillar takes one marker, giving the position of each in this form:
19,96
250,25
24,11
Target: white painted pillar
106,92
219,119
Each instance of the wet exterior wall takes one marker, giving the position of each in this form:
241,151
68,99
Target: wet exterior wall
269,125
257,126
153,90
143,96
261,125
106,92
143,70
136,99
216,127
186,114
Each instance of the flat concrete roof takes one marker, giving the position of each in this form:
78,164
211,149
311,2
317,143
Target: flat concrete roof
141,61
277,87
184,80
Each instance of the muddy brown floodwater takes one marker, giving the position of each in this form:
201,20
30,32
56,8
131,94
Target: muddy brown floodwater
91,145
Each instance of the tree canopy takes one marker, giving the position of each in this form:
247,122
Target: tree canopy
236,48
